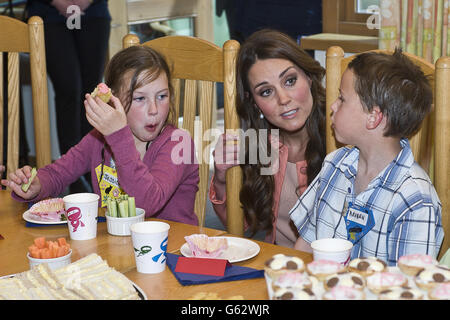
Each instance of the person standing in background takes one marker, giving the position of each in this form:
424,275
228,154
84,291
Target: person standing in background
76,56
296,18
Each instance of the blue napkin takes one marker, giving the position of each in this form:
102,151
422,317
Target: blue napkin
231,273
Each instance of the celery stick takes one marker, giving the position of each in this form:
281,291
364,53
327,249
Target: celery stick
25,186
113,212
123,209
108,205
131,207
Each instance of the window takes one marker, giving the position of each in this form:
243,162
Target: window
345,17
363,6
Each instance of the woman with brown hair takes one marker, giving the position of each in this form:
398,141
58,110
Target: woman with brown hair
279,90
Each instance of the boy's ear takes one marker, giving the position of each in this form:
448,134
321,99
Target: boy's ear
374,118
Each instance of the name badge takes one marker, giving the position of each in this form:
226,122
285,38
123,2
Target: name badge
358,220
109,184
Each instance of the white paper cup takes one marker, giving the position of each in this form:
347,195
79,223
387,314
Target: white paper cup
150,245
333,249
81,213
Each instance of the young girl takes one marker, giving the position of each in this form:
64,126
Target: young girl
130,149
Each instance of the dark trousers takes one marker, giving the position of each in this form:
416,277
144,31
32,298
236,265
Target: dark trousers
75,63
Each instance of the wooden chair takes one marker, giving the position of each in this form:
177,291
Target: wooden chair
200,64
431,145
15,37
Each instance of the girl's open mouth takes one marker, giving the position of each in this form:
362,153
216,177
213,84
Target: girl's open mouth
151,127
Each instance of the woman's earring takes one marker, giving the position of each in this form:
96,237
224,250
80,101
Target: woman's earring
261,116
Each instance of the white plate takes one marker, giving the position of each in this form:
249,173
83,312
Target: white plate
30,218
239,249
139,291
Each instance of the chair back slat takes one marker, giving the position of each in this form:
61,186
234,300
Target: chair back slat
1,107
18,37
12,161
189,105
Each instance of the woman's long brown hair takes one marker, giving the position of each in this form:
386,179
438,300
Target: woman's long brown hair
257,191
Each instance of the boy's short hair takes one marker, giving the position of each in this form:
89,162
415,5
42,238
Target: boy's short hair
397,86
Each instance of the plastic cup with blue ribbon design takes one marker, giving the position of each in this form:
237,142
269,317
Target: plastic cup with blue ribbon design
150,240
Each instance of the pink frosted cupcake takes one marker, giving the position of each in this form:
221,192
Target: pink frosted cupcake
324,268
103,92
48,210
413,263
203,246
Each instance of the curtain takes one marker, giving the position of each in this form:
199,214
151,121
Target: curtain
419,27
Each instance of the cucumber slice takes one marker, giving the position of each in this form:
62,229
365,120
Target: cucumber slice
26,186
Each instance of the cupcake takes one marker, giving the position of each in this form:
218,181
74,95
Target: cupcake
203,246
401,293
347,279
366,266
411,264
429,277
381,281
48,210
280,264
292,280
343,293
103,92
440,292
294,294
324,268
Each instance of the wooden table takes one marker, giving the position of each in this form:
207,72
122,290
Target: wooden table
118,251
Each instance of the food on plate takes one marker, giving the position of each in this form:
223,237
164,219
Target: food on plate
292,280
401,293
103,92
344,293
431,276
381,281
348,279
280,264
366,266
88,278
411,264
203,246
48,210
42,249
324,268
25,186
440,292
213,296
294,294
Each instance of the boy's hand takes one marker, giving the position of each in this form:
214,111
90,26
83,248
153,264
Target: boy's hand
21,176
103,117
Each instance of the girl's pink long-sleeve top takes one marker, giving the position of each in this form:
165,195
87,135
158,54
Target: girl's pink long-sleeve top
161,186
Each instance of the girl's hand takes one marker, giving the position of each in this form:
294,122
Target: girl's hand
21,176
226,155
103,117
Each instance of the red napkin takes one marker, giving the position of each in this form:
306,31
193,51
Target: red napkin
206,266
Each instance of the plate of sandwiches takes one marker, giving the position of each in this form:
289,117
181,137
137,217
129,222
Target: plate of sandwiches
48,211
89,278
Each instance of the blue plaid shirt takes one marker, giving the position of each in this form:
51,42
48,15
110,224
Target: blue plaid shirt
405,205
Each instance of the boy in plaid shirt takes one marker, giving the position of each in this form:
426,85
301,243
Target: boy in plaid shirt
374,193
